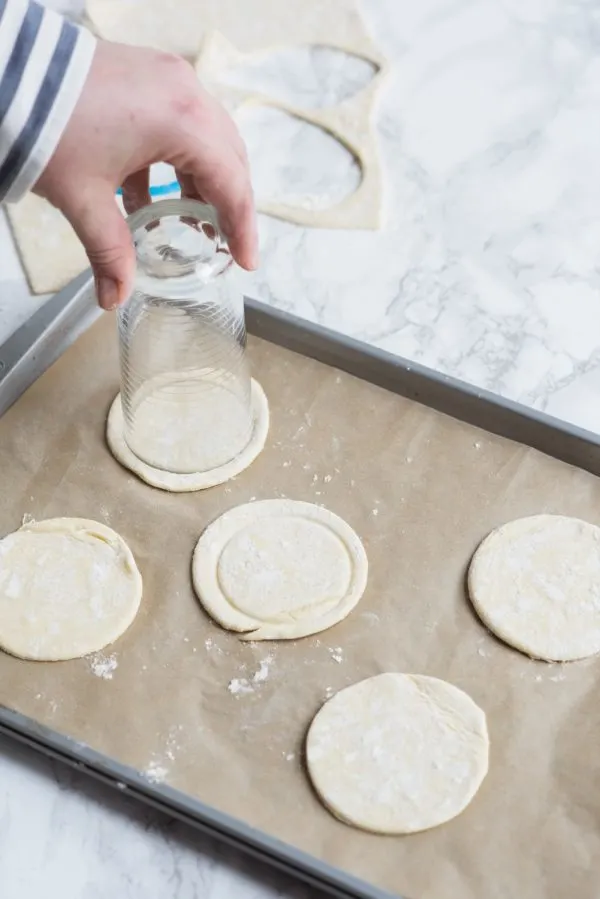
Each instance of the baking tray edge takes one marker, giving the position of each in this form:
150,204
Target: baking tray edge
179,805
37,343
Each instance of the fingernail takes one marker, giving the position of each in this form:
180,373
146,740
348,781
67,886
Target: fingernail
107,291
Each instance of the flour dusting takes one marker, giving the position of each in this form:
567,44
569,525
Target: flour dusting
263,671
211,646
51,703
241,686
337,654
158,769
155,772
173,742
103,666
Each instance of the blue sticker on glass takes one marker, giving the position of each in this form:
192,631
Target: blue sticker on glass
159,190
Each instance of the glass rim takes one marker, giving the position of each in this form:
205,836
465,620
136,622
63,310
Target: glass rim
179,206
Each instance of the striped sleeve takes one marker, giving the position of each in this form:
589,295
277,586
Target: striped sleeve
44,61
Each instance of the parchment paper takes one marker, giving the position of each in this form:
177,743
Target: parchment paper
422,490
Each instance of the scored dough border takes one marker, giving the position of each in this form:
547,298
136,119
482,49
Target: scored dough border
216,536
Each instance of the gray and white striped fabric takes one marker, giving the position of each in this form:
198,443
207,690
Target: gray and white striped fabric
44,61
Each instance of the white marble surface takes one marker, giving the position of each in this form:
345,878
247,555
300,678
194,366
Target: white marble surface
487,269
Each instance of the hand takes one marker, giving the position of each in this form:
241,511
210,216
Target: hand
138,107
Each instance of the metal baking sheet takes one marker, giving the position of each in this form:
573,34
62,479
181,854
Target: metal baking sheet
35,345
39,342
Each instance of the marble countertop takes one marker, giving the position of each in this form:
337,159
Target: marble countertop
486,269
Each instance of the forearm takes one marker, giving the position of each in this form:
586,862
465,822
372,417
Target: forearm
44,61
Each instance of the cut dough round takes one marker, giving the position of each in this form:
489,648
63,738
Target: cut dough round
535,583
68,587
186,422
398,753
279,569
186,483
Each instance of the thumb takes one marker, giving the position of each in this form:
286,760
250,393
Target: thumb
100,226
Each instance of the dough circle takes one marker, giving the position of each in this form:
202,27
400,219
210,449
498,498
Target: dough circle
279,569
398,753
535,583
187,483
68,587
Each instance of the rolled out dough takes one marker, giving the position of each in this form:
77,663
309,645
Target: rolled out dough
50,251
535,582
221,34
217,35
279,569
68,587
187,483
398,753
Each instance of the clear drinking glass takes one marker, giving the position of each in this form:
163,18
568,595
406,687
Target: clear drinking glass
185,382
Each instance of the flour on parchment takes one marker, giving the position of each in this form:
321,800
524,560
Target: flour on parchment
103,665
398,753
159,767
244,685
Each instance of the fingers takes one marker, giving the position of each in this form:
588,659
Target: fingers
103,231
214,166
235,207
136,191
188,187
234,203
224,182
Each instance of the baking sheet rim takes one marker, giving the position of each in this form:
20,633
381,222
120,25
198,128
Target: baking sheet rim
350,355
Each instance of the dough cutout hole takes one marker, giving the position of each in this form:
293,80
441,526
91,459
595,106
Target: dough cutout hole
308,167
313,76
